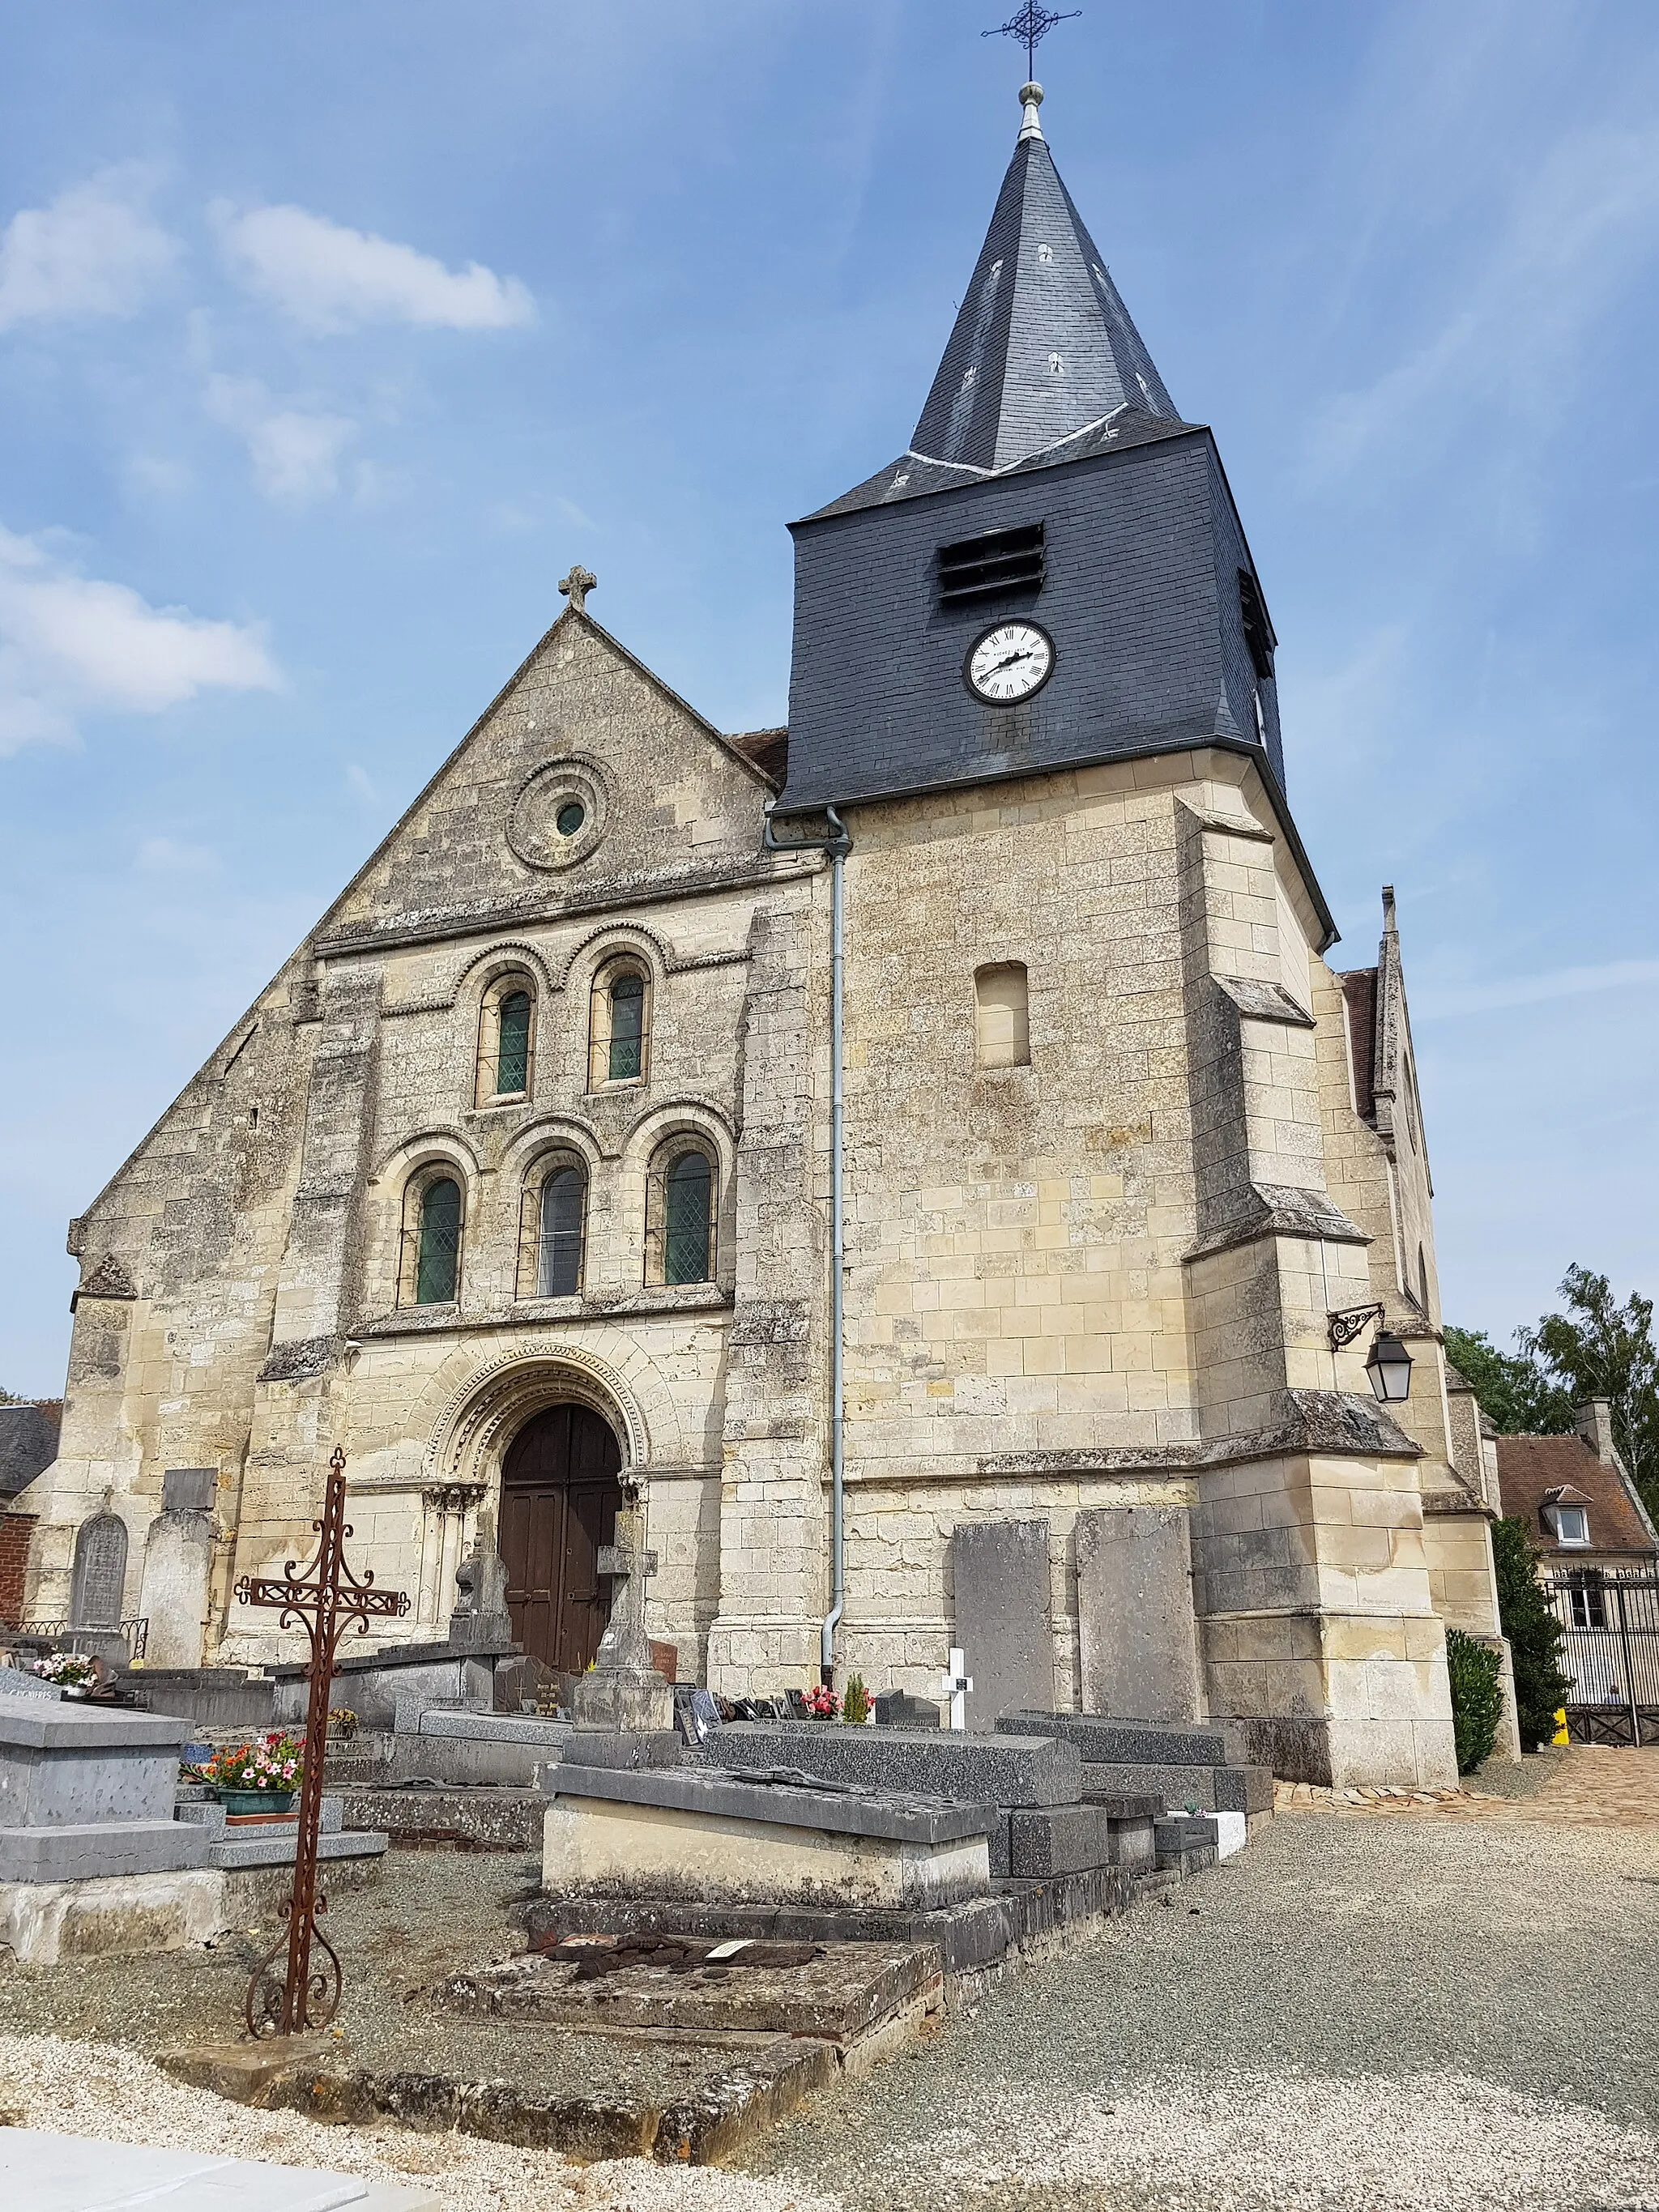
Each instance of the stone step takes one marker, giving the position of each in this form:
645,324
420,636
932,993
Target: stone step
470,1819
1211,1789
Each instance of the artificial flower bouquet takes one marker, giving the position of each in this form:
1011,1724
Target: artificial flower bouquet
70,1670
268,1766
823,1704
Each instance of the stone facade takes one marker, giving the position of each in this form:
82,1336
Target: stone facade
1118,1141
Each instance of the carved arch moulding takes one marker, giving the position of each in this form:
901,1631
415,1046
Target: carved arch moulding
482,1417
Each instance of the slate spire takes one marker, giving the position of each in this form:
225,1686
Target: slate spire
1042,346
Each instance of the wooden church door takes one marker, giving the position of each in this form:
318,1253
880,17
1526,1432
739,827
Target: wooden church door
559,1498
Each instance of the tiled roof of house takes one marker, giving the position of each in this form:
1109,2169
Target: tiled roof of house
766,750
28,1441
1533,1471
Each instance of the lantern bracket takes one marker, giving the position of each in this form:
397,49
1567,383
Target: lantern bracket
1344,1326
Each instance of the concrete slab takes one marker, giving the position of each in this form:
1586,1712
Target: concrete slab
679,1834
42,1923
1000,1578
100,1849
74,2174
250,1849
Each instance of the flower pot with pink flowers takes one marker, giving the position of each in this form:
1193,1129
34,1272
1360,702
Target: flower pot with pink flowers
260,1776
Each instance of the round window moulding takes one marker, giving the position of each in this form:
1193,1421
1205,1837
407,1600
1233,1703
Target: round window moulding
559,815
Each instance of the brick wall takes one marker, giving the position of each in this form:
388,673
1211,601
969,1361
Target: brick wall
15,1530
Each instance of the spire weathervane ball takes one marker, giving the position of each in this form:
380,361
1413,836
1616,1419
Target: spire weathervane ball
1032,26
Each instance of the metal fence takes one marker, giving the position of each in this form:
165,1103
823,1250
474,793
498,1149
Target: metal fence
64,1635
1610,1651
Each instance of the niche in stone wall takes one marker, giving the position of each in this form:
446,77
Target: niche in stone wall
1002,1023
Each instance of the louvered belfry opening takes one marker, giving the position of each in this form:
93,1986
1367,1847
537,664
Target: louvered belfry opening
987,567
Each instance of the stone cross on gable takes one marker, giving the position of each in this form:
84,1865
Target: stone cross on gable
577,585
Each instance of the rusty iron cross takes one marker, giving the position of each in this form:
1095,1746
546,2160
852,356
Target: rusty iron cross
325,1600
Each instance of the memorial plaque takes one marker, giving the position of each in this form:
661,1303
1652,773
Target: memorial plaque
999,1569
1137,1638
101,1573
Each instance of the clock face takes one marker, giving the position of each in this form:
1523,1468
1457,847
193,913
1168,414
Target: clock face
1009,663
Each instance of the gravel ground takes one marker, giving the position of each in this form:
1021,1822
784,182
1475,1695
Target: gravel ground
431,1915
1502,1778
1443,2015
1390,2013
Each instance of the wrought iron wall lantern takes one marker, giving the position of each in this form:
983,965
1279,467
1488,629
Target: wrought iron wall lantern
1387,1364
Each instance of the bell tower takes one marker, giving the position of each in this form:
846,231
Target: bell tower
1052,489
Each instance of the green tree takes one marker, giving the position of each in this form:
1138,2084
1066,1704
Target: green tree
1513,1391
1597,1349
1476,1699
1534,1632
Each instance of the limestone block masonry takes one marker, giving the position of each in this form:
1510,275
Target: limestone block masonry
1117,1142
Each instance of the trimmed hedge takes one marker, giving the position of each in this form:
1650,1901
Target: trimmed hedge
1534,1631
1477,1701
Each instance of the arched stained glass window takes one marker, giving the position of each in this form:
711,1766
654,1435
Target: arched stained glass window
438,1258
688,1189
627,1028
512,1043
559,1263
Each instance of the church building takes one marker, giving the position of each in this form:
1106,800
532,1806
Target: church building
923,1153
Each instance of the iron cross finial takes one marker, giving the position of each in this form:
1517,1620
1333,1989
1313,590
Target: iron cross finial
577,585
1032,26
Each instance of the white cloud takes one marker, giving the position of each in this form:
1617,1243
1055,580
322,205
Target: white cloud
330,278
294,450
169,857
71,644
95,251
1534,990
1577,235
362,784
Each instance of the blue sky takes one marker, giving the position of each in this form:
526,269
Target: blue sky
329,336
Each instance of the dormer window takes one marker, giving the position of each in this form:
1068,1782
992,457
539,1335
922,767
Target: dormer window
1570,1522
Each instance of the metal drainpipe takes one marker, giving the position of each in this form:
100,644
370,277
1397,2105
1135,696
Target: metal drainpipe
838,845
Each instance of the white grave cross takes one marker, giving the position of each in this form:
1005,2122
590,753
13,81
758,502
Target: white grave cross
956,1685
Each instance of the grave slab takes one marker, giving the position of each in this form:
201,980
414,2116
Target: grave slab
1000,1574
1137,1635
72,1763
971,1937
473,1820
1105,1741
842,1993
1058,1839
686,1833
1002,1769
96,1850
76,2173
